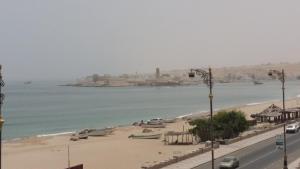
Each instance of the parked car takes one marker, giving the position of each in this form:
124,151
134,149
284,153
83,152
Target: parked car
155,121
292,128
229,162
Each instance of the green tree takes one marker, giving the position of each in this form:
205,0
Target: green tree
201,128
226,124
229,124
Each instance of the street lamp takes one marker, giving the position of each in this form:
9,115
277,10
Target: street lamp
276,74
1,119
207,79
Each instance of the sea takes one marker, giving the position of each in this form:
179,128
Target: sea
45,108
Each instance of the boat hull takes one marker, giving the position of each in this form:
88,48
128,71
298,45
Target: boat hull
153,125
152,136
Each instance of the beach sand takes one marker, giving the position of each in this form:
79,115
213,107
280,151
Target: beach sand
114,151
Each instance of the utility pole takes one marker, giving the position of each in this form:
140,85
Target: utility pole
211,119
284,114
208,80
68,156
1,118
280,75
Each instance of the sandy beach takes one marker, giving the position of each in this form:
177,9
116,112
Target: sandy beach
110,152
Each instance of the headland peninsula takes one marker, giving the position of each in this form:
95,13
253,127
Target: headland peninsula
252,73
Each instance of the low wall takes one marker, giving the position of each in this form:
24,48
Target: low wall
176,159
230,141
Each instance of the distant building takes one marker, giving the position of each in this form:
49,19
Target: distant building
157,73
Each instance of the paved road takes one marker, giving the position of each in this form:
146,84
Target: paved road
263,155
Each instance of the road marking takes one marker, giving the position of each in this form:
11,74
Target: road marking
295,141
263,156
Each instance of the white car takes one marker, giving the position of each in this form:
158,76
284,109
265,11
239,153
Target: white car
229,162
292,128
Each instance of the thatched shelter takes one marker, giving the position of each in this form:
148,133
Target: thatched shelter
271,114
292,113
275,114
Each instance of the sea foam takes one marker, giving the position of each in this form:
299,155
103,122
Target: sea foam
263,102
183,116
253,104
55,134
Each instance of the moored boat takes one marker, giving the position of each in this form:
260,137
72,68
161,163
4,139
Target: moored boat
77,136
153,125
83,135
99,132
155,121
145,136
170,121
257,82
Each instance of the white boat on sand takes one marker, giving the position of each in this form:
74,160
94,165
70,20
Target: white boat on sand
153,125
99,132
78,136
155,121
170,121
145,136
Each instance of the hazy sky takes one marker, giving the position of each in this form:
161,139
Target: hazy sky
67,39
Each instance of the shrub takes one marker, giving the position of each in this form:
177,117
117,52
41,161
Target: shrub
226,125
230,124
201,128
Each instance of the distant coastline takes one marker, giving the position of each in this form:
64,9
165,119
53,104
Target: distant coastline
255,74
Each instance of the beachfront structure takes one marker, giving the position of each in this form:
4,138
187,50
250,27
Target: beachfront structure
292,113
179,138
271,114
275,114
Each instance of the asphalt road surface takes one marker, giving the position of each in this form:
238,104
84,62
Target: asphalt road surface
263,155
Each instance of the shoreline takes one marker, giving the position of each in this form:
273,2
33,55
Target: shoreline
51,151
192,115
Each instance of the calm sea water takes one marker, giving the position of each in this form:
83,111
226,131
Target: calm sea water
45,108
